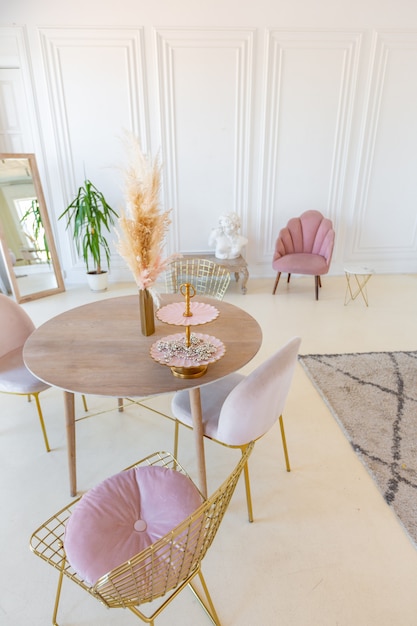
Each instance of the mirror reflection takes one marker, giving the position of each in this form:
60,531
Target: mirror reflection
29,267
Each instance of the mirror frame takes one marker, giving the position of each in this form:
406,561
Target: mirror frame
48,232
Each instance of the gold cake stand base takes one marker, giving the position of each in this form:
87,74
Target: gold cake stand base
189,372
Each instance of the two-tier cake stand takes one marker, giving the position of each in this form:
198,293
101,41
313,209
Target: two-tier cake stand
187,354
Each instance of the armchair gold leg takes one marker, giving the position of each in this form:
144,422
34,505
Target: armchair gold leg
284,444
38,406
142,616
210,610
58,592
45,436
247,487
176,435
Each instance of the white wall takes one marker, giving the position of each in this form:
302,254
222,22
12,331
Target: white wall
266,108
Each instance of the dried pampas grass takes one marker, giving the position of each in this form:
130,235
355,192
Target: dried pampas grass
143,226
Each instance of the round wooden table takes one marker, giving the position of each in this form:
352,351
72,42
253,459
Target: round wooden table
98,349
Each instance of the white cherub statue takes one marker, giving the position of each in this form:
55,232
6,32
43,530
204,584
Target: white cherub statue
226,237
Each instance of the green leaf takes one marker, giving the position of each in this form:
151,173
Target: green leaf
89,215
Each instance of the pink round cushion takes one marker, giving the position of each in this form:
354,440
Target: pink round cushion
125,514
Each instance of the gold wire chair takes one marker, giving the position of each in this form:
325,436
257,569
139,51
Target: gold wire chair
165,567
35,395
206,276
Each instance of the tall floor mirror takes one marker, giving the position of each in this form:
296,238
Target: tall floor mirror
29,264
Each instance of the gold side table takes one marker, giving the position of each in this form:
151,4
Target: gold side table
357,279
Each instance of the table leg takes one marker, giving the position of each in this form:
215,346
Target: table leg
195,403
71,451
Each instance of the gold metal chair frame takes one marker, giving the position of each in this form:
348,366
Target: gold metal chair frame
207,277
167,566
243,450
40,413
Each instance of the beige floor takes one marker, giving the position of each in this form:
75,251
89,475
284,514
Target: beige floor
324,550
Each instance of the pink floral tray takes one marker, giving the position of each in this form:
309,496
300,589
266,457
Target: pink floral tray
174,314
172,350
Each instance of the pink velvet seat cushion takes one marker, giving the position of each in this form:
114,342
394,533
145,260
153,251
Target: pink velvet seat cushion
125,514
301,263
15,377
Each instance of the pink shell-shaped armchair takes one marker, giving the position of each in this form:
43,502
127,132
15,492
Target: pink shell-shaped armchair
304,246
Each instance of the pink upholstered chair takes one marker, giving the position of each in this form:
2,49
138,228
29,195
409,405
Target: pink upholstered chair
304,246
138,536
15,328
239,409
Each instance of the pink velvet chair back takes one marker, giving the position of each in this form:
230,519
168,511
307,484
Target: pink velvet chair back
310,233
15,325
256,403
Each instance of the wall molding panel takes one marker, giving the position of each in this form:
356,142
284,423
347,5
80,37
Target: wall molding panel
291,113
205,89
18,121
78,64
386,180
255,113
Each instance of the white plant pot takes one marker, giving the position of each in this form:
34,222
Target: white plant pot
97,282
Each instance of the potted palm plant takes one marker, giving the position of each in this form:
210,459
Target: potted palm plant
90,216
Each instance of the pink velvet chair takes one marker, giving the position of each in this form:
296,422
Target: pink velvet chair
238,409
15,378
304,246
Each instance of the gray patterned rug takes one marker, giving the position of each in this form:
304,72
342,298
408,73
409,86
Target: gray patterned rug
374,398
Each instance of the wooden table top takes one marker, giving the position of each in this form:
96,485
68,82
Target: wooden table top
98,348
